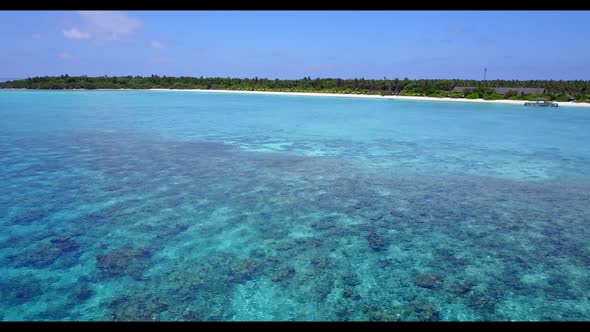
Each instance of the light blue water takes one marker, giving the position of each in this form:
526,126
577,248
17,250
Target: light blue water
154,205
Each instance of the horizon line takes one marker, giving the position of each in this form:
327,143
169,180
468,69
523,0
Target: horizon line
300,78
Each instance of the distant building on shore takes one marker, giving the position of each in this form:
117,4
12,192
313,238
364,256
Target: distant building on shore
503,91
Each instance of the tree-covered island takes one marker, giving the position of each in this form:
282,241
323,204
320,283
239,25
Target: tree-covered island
578,90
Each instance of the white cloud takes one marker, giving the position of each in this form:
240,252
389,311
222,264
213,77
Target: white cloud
64,56
36,35
104,26
157,44
74,33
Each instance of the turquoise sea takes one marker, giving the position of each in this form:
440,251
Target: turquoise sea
167,205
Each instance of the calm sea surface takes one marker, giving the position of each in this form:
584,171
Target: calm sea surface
155,205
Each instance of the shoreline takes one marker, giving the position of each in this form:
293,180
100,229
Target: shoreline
341,95
415,98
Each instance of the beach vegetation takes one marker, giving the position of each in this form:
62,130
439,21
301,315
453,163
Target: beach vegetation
457,94
531,96
438,94
577,89
509,94
493,96
562,98
473,95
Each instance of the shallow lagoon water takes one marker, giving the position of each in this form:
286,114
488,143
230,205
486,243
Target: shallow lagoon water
155,205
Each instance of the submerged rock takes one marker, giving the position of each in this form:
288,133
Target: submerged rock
30,216
429,281
192,315
245,269
83,293
20,290
42,256
284,246
424,311
350,280
283,274
321,262
447,256
324,224
344,311
559,288
304,243
136,308
482,302
377,217
377,242
163,233
132,262
351,293
65,244
384,315
321,285
341,231
180,227
460,288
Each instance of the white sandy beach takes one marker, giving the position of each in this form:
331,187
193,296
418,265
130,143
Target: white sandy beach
313,94
513,102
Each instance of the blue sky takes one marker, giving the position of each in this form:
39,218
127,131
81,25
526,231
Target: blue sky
293,44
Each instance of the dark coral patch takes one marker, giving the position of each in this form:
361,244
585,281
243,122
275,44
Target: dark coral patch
321,262
39,257
377,241
376,314
136,308
350,280
65,244
30,216
424,311
460,288
83,293
351,293
483,302
283,274
324,224
429,281
132,262
20,290
245,269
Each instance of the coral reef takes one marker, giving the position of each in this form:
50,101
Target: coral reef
128,261
135,308
65,244
19,290
245,269
424,311
430,281
283,274
30,216
157,223
377,241
83,293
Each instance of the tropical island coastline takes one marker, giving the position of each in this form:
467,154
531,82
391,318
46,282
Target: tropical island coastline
563,93
409,98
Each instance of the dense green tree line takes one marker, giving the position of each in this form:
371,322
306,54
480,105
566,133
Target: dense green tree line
555,90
